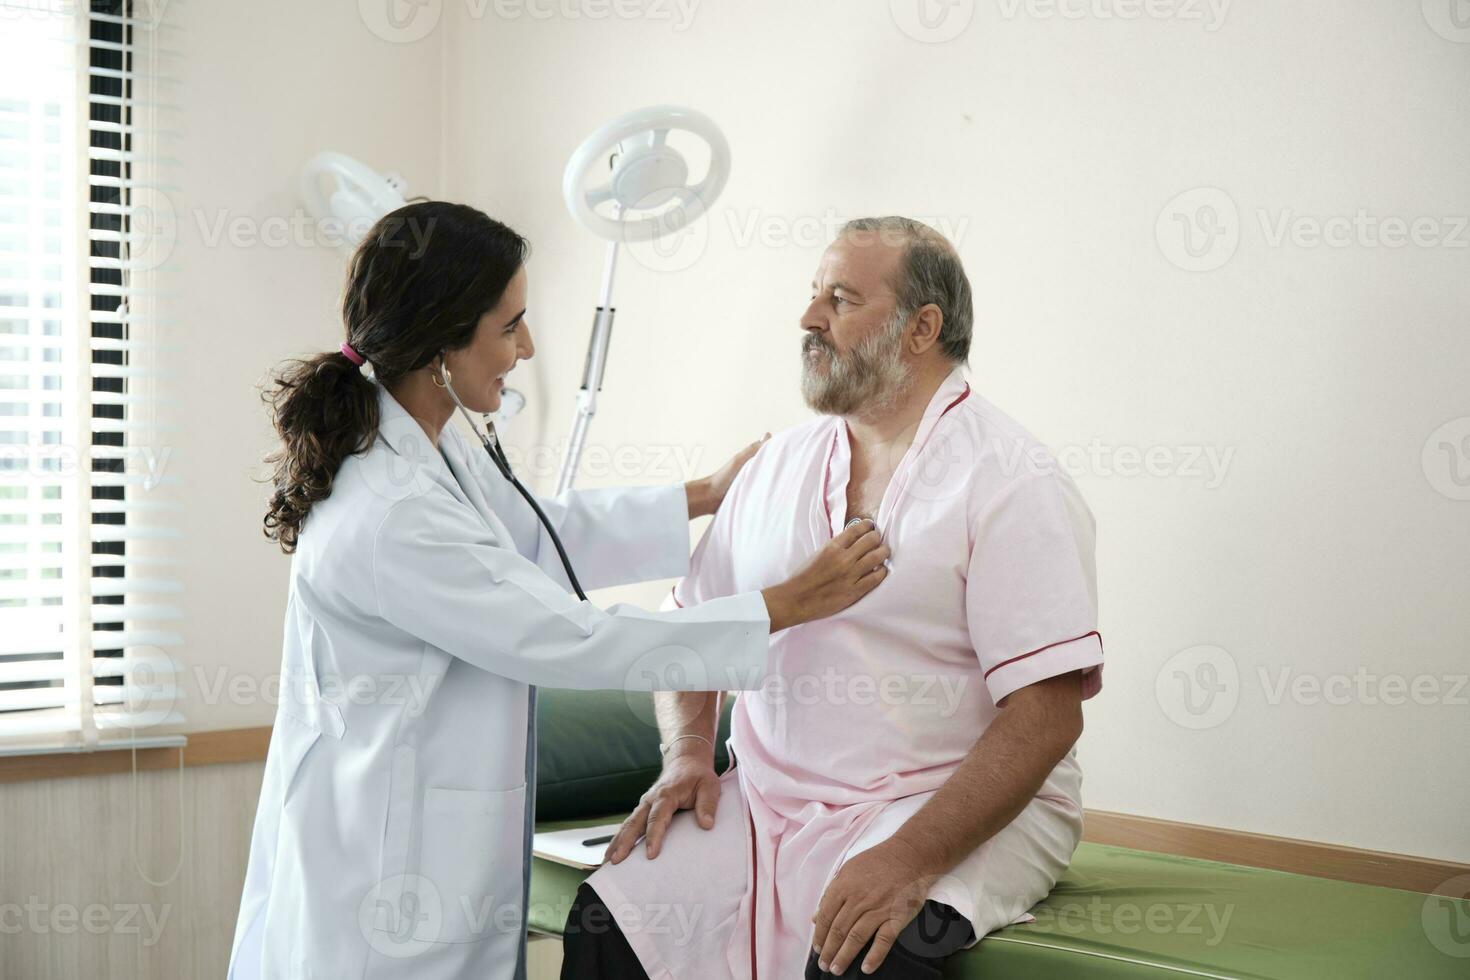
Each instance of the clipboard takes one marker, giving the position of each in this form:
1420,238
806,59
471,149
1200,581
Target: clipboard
567,847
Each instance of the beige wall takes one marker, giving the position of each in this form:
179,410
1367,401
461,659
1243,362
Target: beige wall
265,87
1326,550
1052,146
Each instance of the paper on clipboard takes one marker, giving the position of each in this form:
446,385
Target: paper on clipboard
567,847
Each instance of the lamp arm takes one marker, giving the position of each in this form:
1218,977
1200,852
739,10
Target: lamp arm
593,369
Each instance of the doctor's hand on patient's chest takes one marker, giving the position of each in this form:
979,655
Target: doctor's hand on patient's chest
705,495
687,782
841,572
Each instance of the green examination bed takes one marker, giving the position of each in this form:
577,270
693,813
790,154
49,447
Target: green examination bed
1117,913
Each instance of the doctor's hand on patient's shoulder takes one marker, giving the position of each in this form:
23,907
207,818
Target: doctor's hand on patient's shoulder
706,495
847,568
687,781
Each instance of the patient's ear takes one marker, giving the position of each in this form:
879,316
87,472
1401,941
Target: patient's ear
928,321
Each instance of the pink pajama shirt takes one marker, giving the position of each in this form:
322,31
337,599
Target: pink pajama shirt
868,712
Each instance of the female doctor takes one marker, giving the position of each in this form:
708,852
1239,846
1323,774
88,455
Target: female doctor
392,836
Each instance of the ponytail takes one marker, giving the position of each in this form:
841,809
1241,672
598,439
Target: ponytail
324,410
417,286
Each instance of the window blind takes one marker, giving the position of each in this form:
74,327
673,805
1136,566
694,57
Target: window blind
89,595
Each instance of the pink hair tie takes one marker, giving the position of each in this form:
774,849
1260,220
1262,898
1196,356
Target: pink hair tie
351,354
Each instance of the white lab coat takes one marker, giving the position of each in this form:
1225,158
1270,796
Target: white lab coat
392,837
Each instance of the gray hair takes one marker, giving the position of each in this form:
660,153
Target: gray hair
929,272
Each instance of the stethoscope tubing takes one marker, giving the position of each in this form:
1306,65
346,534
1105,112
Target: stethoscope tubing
491,441
492,446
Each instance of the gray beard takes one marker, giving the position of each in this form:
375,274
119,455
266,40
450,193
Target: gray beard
866,382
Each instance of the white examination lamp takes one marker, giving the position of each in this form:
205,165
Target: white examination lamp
337,187
627,183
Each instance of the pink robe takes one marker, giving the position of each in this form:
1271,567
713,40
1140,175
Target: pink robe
868,712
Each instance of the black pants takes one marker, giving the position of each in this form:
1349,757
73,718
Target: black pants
594,948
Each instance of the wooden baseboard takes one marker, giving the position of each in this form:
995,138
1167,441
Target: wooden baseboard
204,749
1275,853
1099,826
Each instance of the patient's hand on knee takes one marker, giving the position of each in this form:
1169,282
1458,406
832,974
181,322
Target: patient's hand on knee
687,782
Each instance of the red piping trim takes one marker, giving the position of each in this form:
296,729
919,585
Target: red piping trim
673,594
963,395
827,479
1007,663
754,892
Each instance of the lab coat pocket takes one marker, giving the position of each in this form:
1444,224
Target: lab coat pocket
471,854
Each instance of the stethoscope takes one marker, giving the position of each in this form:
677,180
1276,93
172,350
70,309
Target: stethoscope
491,441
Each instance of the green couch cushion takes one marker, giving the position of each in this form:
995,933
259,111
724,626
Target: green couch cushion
1121,913
597,751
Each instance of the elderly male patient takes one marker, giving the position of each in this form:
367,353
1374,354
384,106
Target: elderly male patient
905,783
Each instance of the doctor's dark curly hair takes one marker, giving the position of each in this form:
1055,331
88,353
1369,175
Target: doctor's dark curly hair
417,285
